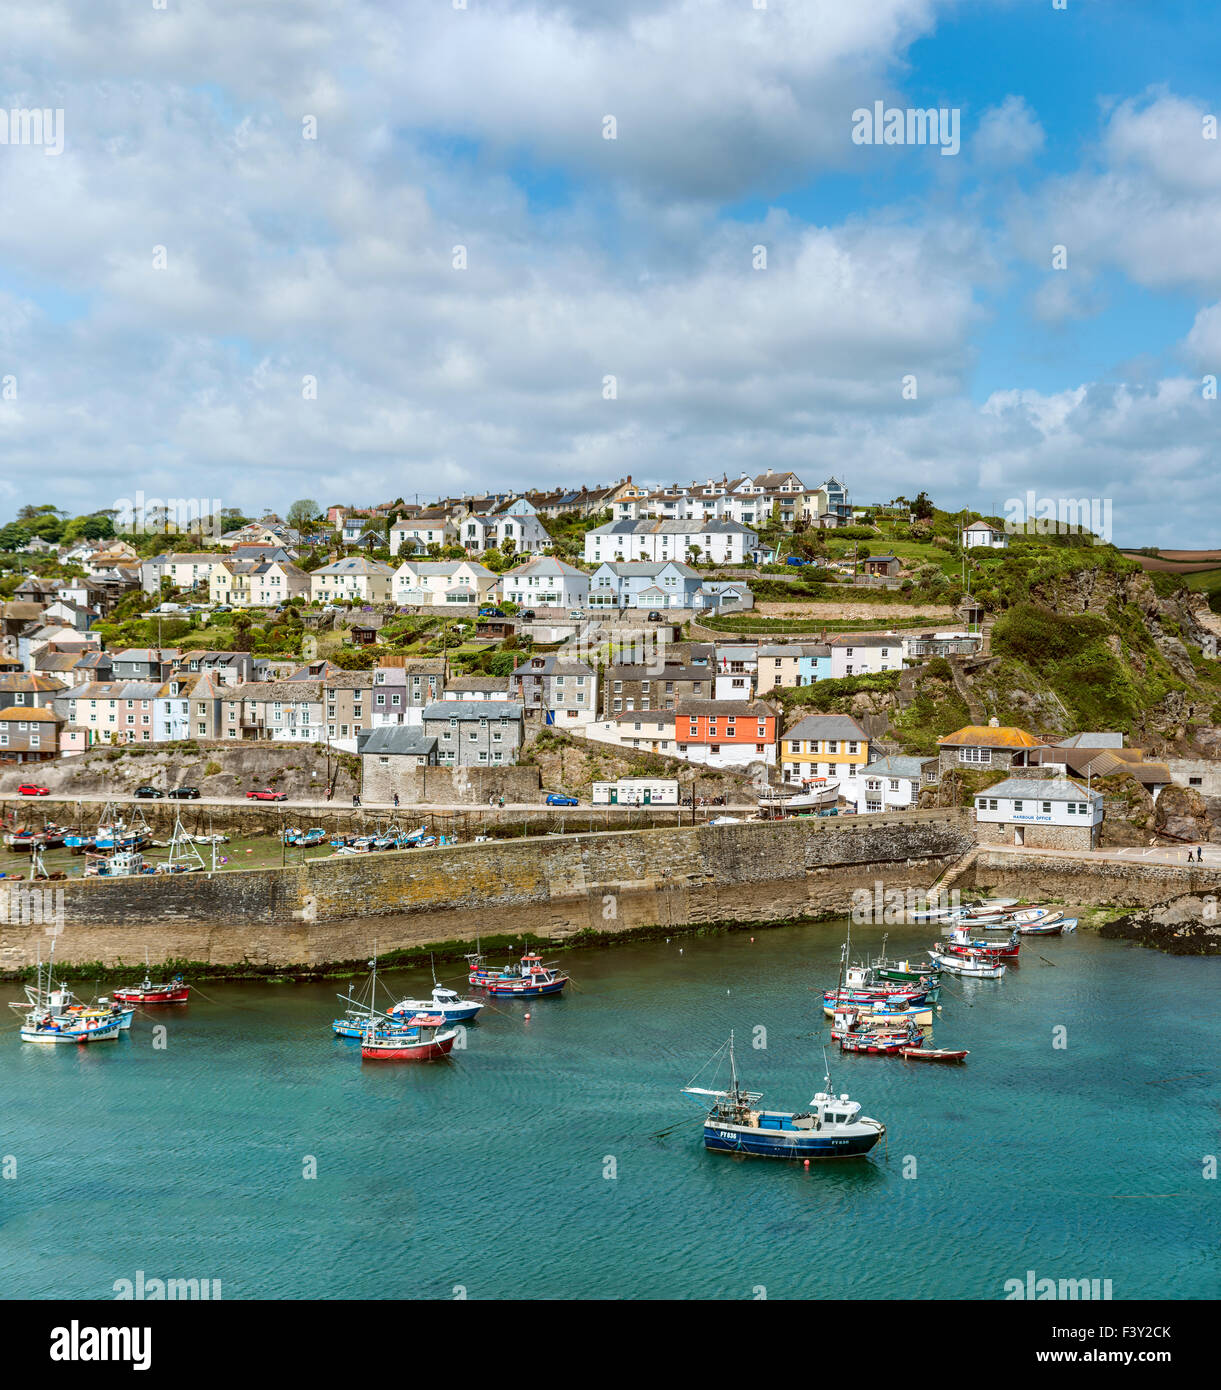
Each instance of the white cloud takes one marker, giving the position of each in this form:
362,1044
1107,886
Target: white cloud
1008,134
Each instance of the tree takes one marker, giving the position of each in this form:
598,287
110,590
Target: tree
922,507
302,514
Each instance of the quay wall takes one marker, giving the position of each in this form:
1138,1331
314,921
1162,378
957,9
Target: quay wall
328,910
1087,881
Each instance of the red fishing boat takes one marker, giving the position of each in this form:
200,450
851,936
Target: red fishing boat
424,1038
148,993
959,943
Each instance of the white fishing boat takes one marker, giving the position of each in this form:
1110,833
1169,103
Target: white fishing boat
446,1002
975,965
52,1014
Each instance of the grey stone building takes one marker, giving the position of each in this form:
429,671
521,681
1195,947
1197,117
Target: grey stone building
390,759
475,733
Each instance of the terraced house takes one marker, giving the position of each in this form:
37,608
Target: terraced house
823,745
283,711
474,733
566,689
355,578
112,711
726,733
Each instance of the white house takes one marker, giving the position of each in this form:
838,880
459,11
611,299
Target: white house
276,581
860,656
545,583
431,527
980,533
722,542
1046,813
637,791
890,784
444,582
736,665
354,577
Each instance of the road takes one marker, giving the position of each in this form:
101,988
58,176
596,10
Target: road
339,804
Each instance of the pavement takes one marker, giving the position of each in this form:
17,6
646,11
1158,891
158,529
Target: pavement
1154,854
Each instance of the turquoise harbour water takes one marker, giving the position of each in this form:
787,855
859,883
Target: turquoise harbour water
486,1174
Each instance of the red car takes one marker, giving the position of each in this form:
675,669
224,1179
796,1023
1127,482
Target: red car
267,795
29,789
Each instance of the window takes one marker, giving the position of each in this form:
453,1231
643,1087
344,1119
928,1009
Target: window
975,755
1017,805
1195,781
1047,808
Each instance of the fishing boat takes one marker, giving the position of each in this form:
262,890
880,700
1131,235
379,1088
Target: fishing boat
880,1042
1049,927
903,971
831,1127
973,964
444,1001
934,1054
53,1016
119,863
529,980
362,1012
424,1038
959,943
175,992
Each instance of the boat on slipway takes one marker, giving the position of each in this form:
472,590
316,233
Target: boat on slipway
831,1127
423,1038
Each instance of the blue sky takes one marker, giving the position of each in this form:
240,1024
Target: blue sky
333,258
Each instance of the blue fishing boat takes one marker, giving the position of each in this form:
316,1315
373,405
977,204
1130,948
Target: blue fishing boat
446,1003
362,1012
831,1127
529,980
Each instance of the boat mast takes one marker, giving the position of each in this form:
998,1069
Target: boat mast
733,1068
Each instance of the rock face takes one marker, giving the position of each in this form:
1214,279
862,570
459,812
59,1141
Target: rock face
1188,925
1182,814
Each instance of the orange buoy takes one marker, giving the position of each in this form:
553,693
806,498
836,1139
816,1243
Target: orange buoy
527,1018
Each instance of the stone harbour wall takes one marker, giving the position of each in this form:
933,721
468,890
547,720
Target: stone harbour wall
1089,882
331,909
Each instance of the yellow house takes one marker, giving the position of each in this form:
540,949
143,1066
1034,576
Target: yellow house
824,745
230,582
354,578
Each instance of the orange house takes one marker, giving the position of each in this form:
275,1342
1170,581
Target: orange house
726,733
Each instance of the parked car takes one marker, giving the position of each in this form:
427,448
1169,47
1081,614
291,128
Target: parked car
149,791
29,789
654,616
528,615
267,794
491,612
562,799
184,793
795,560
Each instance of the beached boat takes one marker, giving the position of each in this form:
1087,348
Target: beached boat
831,1127
424,1038
974,964
934,1054
528,980
173,992
1049,928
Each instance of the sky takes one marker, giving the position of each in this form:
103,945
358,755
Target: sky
355,250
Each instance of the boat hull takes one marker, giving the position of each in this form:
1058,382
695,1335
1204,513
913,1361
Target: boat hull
933,1054
108,1032
155,996
520,989
390,1050
877,1046
786,1143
